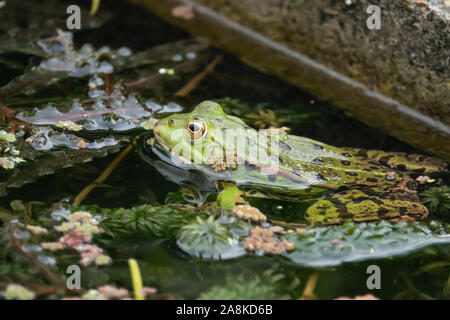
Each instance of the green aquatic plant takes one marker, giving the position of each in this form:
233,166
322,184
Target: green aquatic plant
234,107
265,119
207,238
207,230
437,200
145,220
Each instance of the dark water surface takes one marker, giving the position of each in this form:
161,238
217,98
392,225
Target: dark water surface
134,182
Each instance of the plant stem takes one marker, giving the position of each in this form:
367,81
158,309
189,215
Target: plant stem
55,280
308,292
195,81
136,279
105,174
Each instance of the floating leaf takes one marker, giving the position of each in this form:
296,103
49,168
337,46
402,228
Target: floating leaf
121,116
210,238
40,162
65,62
327,246
42,21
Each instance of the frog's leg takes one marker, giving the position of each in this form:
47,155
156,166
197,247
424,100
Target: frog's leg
402,161
230,196
358,206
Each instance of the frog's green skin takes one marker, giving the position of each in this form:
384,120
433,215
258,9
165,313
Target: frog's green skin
356,184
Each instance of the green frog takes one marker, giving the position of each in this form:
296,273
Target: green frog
345,183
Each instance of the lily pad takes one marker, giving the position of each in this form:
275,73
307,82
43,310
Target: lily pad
125,113
64,61
212,238
17,36
329,246
39,163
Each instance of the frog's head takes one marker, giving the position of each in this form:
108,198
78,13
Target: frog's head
195,135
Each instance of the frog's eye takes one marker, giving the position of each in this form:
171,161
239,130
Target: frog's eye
171,122
196,128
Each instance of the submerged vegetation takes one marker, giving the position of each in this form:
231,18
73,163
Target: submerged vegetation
78,188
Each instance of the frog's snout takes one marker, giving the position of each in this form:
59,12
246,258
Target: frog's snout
156,127
160,131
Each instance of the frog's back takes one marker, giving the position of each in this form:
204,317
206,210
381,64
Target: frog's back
303,164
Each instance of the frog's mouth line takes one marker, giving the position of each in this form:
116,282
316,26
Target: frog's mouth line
160,149
159,140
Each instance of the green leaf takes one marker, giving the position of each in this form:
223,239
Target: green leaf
327,246
438,201
213,238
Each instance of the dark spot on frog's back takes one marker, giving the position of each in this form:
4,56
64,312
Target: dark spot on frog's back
317,161
345,162
250,167
345,154
351,173
385,160
362,153
370,192
284,146
361,199
374,180
381,212
275,158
